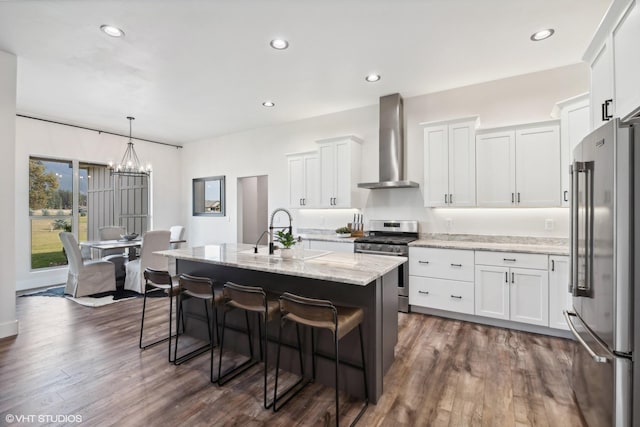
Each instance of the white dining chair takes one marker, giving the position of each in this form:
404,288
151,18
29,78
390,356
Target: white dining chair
177,233
152,241
86,277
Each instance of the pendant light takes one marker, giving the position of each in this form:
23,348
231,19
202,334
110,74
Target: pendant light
130,165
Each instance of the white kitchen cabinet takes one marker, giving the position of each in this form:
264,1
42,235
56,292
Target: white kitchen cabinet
574,114
441,279
615,64
559,297
328,245
519,166
339,171
510,287
626,62
304,186
450,163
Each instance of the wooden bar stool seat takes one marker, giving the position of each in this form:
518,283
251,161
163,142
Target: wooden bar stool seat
318,314
201,288
251,299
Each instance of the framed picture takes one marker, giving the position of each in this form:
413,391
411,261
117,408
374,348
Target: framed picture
208,196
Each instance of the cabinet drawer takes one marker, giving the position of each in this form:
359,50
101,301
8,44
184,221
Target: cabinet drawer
450,295
512,259
449,264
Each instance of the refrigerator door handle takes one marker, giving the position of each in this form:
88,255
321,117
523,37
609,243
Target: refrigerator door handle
573,270
596,357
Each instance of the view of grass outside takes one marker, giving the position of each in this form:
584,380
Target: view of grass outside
50,209
46,247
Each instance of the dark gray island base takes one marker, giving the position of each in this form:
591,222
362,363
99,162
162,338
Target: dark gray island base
378,298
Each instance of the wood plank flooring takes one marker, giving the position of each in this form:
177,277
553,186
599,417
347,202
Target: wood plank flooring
74,360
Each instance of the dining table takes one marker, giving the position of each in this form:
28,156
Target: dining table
128,245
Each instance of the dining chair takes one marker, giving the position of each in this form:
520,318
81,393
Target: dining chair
86,277
152,241
177,233
117,256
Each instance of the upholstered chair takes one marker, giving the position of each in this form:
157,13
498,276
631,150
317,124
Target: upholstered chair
152,241
86,277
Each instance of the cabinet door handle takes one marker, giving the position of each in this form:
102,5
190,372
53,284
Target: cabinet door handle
456,265
509,259
506,277
553,265
456,296
450,198
424,292
513,198
300,201
566,195
513,278
445,199
602,112
518,197
605,110
423,262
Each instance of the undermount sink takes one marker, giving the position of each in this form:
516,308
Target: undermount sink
306,254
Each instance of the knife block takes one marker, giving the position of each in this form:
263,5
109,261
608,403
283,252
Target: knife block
357,233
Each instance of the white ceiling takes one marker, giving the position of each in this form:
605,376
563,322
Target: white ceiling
189,69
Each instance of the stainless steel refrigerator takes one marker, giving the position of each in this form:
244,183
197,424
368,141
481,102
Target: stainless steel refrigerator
604,252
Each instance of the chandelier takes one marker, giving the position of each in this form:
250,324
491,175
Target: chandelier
130,165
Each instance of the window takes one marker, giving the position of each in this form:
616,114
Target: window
58,202
50,209
208,196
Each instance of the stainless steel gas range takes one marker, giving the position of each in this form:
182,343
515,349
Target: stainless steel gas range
391,237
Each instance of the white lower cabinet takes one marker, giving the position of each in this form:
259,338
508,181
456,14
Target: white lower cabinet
515,292
441,279
559,297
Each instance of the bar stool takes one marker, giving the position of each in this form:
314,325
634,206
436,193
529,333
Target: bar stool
158,280
250,299
319,314
200,288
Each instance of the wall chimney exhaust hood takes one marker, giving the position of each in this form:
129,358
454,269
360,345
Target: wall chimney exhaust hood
391,146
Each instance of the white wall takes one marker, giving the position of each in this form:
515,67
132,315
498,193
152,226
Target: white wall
520,99
8,73
37,138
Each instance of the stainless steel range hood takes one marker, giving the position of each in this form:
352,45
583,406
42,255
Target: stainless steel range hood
391,146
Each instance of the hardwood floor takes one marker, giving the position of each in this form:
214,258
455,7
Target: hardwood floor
74,360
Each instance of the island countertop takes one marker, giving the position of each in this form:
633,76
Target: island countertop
350,268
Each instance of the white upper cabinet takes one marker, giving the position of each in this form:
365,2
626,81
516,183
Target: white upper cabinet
449,163
519,166
304,186
496,169
615,64
626,62
574,115
339,171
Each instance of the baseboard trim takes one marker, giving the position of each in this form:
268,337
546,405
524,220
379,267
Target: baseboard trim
493,322
9,329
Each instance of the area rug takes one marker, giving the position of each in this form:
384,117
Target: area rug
95,300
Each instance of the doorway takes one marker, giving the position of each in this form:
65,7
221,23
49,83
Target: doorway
253,211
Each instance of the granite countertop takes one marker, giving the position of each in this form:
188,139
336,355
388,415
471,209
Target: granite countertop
350,268
533,245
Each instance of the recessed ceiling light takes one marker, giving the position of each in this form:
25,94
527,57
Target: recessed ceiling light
112,31
542,34
279,44
269,104
372,78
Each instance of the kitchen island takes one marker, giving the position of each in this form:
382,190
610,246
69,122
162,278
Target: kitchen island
360,280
